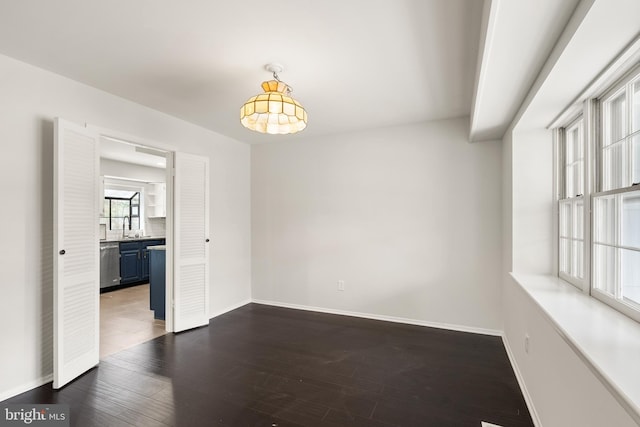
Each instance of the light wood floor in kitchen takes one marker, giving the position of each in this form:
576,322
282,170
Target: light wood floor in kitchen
125,319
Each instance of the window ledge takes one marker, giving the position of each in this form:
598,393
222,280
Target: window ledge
606,340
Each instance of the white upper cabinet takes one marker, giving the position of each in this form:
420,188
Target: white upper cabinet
157,200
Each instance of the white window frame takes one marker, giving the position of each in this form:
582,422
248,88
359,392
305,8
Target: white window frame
616,300
594,115
626,83
579,280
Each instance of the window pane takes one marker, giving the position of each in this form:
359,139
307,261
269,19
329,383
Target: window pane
565,251
604,222
635,156
604,268
570,181
578,259
574,180
577,179
577,138
119,208
578,228
613,167
565,219
636,107
571,146
615,126
631,275
574,154
630,231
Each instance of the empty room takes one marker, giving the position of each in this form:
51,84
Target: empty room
341,213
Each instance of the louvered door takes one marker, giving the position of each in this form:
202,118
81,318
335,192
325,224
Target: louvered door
191,276
76,259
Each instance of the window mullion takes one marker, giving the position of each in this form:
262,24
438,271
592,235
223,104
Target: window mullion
628,139
618,242
591,134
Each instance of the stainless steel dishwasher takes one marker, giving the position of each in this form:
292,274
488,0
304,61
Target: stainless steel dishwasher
109,264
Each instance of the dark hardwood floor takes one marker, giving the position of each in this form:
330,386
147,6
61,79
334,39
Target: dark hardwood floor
268,366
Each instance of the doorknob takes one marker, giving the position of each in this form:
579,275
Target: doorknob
62,252
207,241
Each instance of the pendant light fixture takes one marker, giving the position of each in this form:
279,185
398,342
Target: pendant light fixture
275,111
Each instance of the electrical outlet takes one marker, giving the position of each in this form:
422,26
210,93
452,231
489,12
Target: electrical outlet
526,344
341,285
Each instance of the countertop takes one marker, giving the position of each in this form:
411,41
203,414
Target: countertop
157,248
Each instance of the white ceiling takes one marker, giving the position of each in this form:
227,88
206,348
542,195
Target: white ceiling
353,64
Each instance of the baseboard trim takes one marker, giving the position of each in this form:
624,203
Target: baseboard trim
25,387
48,378
523,388
229,308
452,327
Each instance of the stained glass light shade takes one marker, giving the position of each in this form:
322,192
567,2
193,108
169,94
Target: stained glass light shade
273,112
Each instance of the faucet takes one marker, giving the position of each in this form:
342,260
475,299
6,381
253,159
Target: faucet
126,217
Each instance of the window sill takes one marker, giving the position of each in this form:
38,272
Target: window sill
606,340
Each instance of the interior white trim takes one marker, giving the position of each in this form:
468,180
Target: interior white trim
452,327
523,386
26,387
616,70
487,32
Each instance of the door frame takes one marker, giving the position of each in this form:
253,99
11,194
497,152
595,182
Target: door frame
170,226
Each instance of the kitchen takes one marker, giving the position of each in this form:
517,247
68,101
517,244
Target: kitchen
132,244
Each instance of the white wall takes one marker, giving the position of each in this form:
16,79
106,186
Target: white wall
564,391
408,217
507,205
532,198
31,98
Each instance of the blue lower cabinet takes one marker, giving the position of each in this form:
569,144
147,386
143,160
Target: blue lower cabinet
157,282
129,266
144,265
134,260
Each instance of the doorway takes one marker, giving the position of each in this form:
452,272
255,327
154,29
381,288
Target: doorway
76,266
133,200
